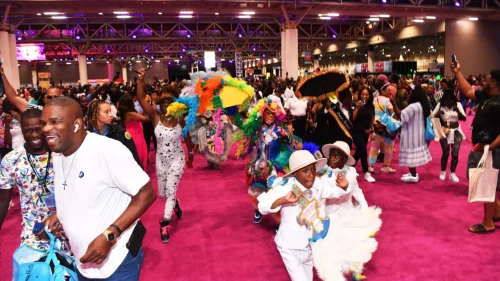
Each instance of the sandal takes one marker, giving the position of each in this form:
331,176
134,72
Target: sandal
480,229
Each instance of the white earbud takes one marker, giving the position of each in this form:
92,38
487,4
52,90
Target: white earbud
76,127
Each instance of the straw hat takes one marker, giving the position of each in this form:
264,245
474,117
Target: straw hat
303,158
344,147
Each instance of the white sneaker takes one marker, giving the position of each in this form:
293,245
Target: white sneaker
442,176
410,179
368,177
454,178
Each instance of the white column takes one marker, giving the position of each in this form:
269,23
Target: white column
82,68
5,55
292,52
283,52
34,77
110,71
15,81
124,74
371,61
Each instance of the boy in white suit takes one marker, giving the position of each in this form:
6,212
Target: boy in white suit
293,237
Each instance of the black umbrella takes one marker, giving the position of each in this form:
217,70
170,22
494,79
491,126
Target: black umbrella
323,85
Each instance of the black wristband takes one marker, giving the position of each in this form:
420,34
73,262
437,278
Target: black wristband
117,228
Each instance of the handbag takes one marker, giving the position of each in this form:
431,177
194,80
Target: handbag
429,131
438,129
36,265
386,125
483,180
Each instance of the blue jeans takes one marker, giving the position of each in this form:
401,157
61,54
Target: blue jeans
129,270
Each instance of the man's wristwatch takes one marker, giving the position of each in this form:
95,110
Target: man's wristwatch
110,236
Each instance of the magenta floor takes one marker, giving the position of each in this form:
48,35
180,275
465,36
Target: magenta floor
423,237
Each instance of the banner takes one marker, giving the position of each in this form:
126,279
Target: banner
308,58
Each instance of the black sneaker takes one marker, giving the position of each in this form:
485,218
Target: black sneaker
177,209
164,231
257,218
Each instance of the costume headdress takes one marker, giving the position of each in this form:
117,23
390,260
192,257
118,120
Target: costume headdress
181,106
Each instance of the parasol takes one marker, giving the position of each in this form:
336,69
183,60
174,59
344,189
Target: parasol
323,85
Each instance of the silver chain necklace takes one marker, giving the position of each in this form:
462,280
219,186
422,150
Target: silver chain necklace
67,175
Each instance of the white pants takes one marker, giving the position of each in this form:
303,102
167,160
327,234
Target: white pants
298,263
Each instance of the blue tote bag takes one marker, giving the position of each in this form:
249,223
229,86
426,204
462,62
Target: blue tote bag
429,131
34,265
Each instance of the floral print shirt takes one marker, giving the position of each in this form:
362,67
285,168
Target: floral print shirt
28,172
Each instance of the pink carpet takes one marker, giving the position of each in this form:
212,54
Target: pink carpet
423,237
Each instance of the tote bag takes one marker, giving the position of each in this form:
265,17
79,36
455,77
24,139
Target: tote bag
429,131
483,179
34,265
386,125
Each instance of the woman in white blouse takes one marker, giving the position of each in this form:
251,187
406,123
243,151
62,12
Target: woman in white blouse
450,111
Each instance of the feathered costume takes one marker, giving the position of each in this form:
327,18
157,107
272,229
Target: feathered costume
269,148
219,95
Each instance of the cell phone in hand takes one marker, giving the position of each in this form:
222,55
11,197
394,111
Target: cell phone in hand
38,227
454,60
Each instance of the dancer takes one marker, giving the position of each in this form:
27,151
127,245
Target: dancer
170,159
353,244
363,117
215,138
100,121
449,111
270,141
414,151
132,121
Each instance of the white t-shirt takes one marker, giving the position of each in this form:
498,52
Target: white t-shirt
16,134
100,182
297,107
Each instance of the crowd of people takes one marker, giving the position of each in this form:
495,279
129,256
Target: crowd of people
58,140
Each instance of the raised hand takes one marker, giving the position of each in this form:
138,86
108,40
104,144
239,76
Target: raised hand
291,198
142,74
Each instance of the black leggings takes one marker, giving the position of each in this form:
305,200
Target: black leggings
149,133
361,142
455,148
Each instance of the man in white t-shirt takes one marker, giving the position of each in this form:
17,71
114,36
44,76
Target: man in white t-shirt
100,193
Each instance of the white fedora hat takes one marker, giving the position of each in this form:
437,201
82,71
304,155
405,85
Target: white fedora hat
344,147
303,158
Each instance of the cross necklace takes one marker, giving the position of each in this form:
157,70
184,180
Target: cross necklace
66,176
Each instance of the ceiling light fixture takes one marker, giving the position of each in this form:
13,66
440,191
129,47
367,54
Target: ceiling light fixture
185,16
367,22
333,15
160,13
38,14
418,20
473,19
120,13
430,17
248,13
374,19
325,18
101,14
244,16
457,4
384,16
58,17
157,60
52,13
216,14
123,17
186,12
374,16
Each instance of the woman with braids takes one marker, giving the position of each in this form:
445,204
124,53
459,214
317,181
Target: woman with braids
100,121
169,128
